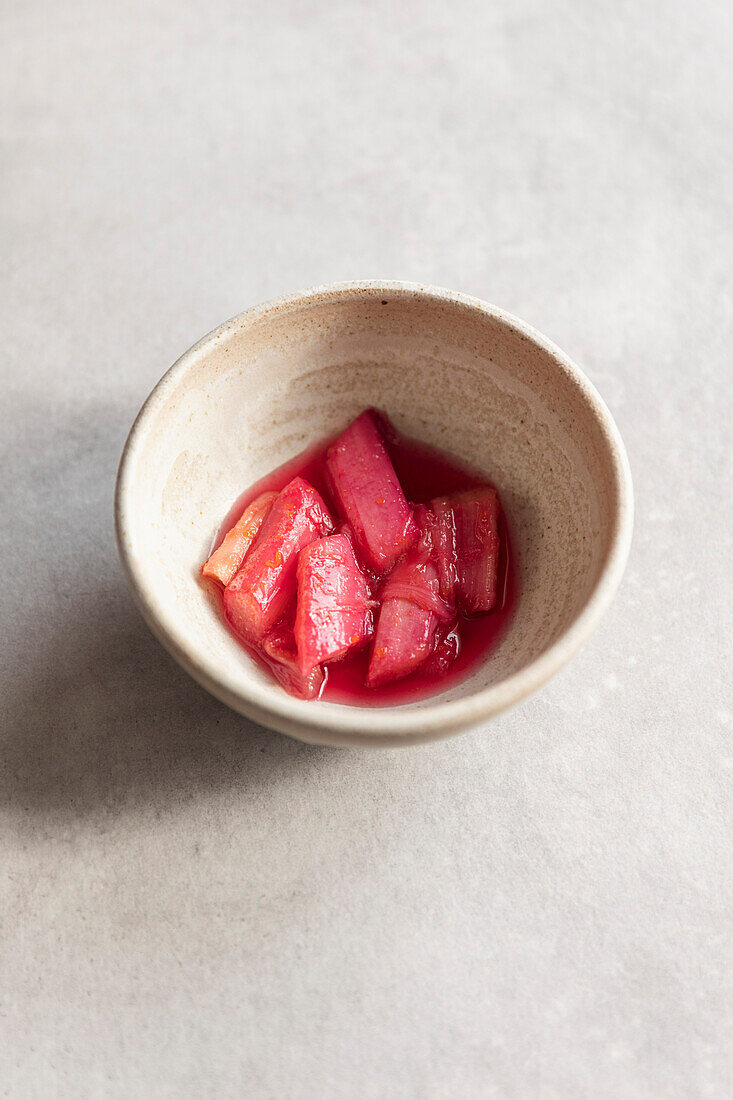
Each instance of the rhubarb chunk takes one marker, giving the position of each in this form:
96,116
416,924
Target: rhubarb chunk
227,558
280,654
344,528
415,578
426,521
370,495
403,640
412,609
445,651
476,513
264,586
445,554
334,612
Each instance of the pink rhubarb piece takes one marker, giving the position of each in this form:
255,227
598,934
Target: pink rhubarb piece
334,612
281,656
412,609
370,495
476,513
415,578
264,586
445,555
403,640
445,651
229,555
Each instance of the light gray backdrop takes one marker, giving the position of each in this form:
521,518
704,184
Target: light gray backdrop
195,907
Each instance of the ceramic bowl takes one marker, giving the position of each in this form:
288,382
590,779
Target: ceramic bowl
449,369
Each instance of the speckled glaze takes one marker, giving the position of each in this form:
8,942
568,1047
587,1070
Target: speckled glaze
453,371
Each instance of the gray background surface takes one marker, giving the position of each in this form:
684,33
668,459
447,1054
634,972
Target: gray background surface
193,906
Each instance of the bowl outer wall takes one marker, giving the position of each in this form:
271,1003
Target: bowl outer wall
391,725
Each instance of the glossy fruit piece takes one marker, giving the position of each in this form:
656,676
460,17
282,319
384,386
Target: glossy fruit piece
476,513
281,656
369,494
344,528
264,586
229,555
415,578
426,520
445,554
403,640
335,609
445,651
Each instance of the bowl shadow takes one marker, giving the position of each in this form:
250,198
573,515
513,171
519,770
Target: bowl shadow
101,720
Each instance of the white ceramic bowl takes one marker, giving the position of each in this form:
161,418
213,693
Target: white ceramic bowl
449,369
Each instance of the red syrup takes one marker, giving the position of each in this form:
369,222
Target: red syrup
424,473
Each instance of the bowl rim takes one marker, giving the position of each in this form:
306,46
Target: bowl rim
337,723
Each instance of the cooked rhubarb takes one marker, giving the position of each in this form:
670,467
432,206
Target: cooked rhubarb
415,578
446,648
412,608
334,610
229,555
369,495
403,640
264,586
443,532
281,656
383,603
476,513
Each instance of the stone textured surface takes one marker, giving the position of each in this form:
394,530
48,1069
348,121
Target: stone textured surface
194,907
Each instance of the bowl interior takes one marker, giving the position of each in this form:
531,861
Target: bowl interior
264,386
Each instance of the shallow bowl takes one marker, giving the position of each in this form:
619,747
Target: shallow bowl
449,369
